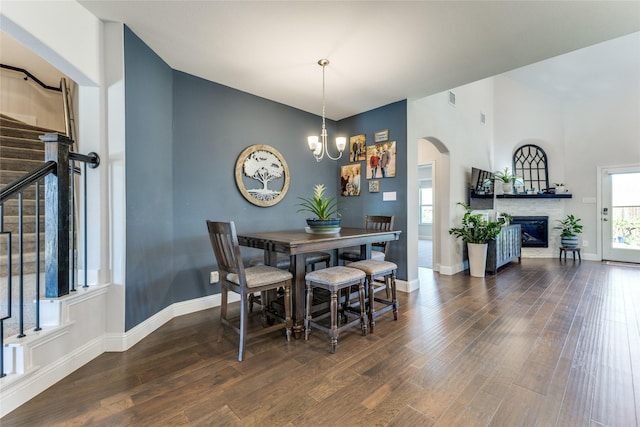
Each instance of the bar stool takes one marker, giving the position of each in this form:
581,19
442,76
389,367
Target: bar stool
334,279
283,262
374,270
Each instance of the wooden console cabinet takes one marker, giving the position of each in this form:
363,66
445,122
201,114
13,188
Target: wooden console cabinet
505,248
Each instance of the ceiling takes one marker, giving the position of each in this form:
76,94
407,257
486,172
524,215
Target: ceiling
380,52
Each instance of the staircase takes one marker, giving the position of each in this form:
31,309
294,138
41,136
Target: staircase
20,152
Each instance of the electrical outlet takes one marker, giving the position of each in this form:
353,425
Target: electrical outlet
585,243
214,277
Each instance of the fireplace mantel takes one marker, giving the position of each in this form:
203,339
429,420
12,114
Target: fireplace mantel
535,196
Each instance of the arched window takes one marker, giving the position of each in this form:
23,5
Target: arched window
530,164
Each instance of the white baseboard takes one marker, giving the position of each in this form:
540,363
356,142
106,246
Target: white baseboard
126,340
26,380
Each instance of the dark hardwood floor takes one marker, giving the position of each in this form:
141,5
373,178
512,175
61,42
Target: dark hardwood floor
542,343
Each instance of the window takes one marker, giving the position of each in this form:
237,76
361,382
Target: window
426,203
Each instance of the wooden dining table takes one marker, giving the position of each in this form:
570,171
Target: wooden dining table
297,243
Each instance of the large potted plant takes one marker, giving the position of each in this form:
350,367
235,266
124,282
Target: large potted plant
569,228
507,179
476,232
324,208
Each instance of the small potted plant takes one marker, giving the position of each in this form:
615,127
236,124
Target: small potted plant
324,208
559,187
569,228
507,217
476,232
507,179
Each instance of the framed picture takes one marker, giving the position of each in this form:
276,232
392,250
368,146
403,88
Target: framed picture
381,160
350,180
381,136
374,186
357,146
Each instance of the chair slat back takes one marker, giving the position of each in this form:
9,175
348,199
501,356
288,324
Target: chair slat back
379,223
226,248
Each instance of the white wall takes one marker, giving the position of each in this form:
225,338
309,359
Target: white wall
599,132
30,103
470,143
524,116
578,136
62,32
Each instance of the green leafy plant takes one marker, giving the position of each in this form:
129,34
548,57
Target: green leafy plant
505,175
507,216
475,229
627,230
321,206
569,226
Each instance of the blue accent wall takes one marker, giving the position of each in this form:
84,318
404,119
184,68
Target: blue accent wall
354,208
149,184
183,137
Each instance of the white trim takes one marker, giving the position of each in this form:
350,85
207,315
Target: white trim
126,340
20,387
17,390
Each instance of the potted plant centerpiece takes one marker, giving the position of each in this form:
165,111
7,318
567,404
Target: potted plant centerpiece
476,232
569,228
507,179
324,208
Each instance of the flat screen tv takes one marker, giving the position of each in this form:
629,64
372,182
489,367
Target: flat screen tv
481,189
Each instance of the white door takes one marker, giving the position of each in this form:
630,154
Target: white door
621,214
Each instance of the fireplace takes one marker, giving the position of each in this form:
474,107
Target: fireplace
535,230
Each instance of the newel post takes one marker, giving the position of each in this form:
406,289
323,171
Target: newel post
57,210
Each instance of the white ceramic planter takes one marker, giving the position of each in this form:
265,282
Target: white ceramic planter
477,258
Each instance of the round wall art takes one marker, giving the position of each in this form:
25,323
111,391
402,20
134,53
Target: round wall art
262,175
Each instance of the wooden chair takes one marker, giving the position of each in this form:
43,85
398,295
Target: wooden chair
334,280
378,250
244,281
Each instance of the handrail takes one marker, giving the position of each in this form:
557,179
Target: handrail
17,185
28,74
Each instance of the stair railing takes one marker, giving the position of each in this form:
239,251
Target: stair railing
57,172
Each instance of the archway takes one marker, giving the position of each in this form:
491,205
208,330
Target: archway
432,150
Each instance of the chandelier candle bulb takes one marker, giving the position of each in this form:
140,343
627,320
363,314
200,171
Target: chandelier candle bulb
319,147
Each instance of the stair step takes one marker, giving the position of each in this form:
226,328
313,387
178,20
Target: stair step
18,142
10,207
10,223
7,122
9,153
29,194
28,243
19,165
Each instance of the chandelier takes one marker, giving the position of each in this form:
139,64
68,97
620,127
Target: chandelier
317,147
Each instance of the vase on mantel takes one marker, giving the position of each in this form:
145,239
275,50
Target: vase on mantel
507,187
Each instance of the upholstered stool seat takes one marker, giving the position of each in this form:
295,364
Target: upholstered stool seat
334,279
373,270
284,262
